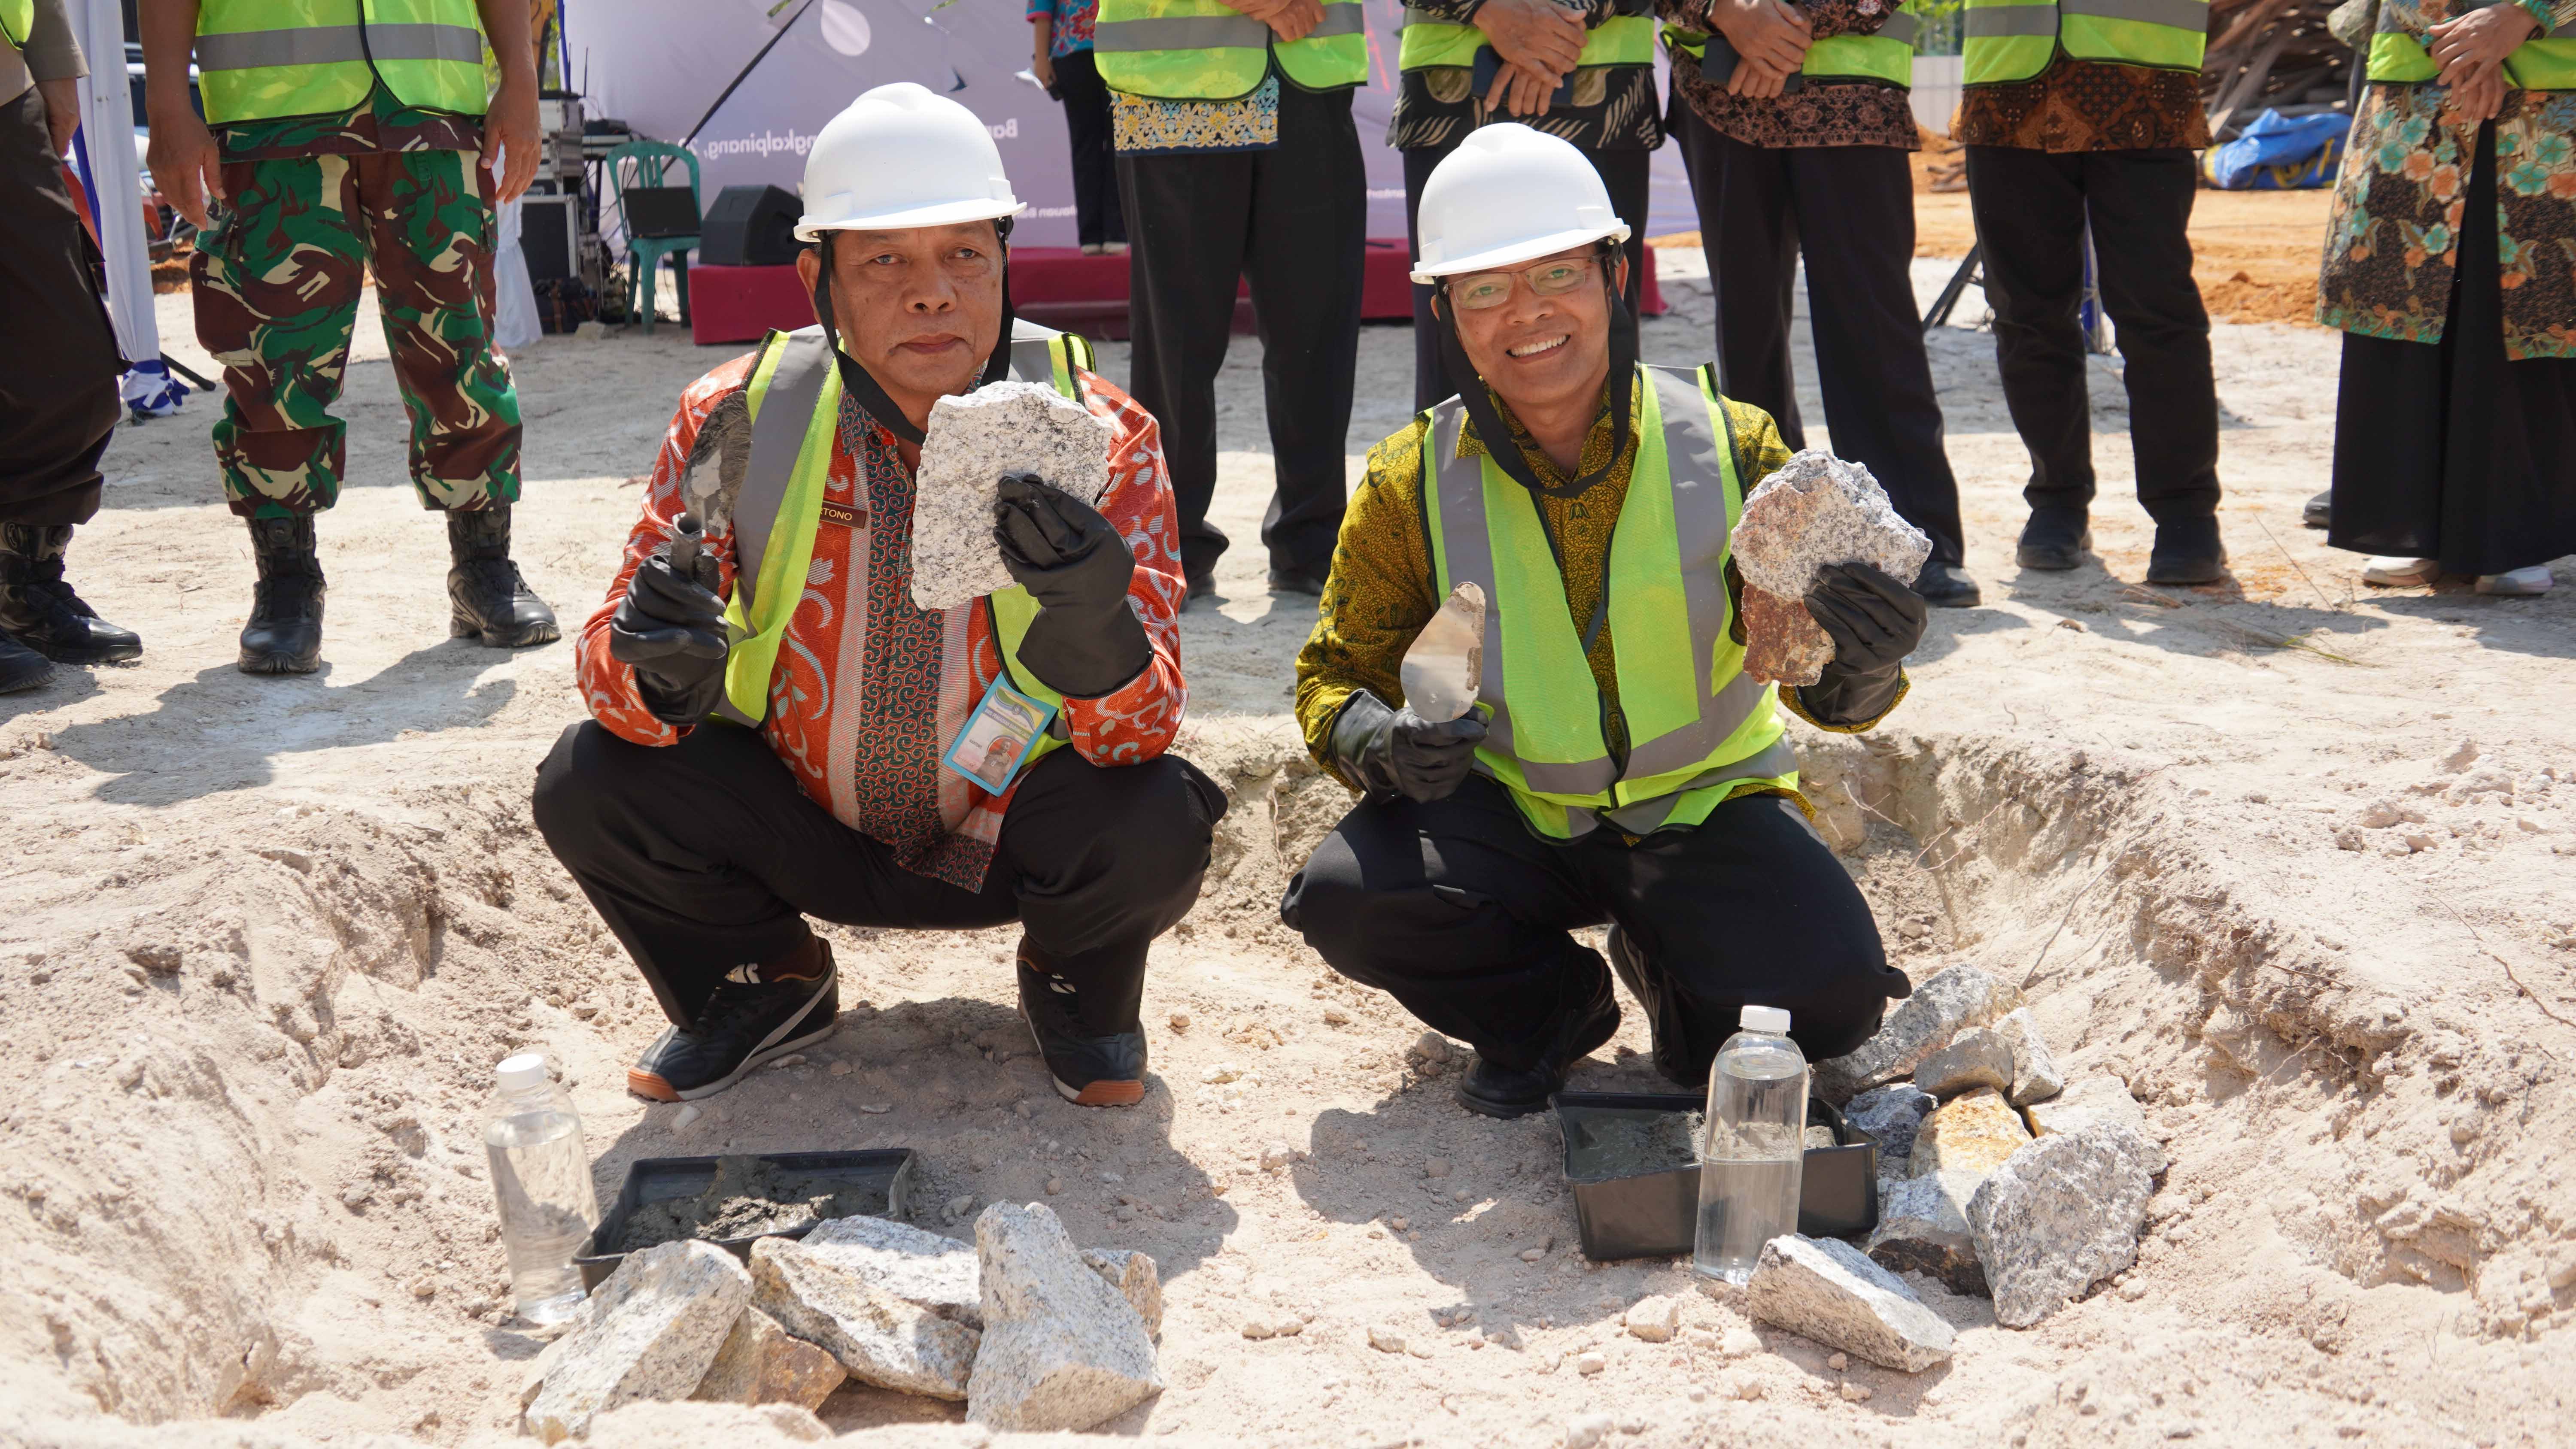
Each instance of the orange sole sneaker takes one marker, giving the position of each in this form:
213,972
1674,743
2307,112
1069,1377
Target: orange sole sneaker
1104,1094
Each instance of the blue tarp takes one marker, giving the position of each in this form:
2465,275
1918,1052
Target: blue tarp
2279,153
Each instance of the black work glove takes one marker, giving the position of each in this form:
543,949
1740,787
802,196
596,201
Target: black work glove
1875,621
671,631
1085,641
1388,752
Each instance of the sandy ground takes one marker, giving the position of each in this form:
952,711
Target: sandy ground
261,940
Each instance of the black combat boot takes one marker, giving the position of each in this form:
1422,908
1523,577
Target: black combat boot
490,601
284,635
40,611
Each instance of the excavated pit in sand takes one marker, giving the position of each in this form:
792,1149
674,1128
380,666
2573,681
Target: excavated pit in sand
253,1190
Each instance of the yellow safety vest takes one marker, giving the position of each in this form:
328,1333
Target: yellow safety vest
1429,41
1886,57
260,60
1699,730
1200,50
780,510
2542,63
2013,40
16,18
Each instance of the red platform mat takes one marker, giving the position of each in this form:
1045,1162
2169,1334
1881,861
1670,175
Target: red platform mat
1058,286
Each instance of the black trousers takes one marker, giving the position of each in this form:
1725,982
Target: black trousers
58,356
1626,174
1850,209
1291,220
1096,217
705,855
2030,208
1459,912
2452,451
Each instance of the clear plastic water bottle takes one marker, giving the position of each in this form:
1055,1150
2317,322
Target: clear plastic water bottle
541,1179
1754,1154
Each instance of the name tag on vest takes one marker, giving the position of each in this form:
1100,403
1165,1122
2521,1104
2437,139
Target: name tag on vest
846,515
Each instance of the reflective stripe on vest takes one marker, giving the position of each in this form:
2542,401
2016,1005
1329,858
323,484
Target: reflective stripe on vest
1430,41
1201,50
264,59
1886,56
2006,41
2544,63
17,17
1700,728
780,510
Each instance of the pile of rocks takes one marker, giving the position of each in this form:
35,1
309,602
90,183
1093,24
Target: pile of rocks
1030,1331
1996,1175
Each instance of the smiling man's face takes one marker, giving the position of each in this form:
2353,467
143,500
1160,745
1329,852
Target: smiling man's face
1540,350
919,308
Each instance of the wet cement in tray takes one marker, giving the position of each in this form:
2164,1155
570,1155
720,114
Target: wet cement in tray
749,1197
1624,1143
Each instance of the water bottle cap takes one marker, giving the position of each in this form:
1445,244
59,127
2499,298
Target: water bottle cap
1772,1019
522,1072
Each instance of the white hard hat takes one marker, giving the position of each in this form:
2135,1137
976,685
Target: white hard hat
902,157
1510,194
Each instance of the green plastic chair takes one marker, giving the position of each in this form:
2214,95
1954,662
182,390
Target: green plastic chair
647,163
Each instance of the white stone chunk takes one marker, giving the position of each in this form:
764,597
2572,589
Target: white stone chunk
648,1332
2090,1101
913,1264
2061,1216
1977,1057
2036,1076
1829,1291
1943,1005
1007,427
1819,510
881,1339
1140,1281
1062,1349
1655,1320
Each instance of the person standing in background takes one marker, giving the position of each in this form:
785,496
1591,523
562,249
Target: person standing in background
343,148
2085,110
1237,158
2446,266
58,357
1583,72
1064,65
1800,148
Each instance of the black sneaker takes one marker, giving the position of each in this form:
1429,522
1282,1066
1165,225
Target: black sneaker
1285,580
2187,551
747,1022
1088,1070
2319,511
1499,1091
1947,586
2054,540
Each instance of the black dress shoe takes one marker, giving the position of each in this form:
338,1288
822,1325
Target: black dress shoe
1285,580
2187,551
1947,586
2054,540
2320,510
21,667
1202,585
1492,1090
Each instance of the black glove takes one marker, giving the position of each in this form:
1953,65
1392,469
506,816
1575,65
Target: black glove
1388,752
1085,641
671,631
1875,621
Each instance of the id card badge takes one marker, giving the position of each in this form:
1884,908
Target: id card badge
998,737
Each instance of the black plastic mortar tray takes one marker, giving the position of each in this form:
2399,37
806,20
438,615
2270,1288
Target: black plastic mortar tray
1656,1214
890,1170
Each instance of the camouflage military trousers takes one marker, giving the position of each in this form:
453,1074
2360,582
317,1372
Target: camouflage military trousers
277,281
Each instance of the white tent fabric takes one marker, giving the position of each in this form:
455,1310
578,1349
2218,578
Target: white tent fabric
514,297
116,180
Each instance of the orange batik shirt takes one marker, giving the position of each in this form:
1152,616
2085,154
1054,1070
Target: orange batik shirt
869,689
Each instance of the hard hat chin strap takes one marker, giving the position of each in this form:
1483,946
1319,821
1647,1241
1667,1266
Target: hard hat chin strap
1497,437
862,384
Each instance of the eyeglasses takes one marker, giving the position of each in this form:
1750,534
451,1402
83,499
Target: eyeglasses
1551,278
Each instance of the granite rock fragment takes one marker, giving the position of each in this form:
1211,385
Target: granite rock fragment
1977,1131
918,1266
2090,1101
1828,1290
1138,1280
879,1338
1890,1116
1923,1228
1783,643
761,1364
648,1332
1062,1349
1005,427
2061,1216
1977,1057
1943,1004
2035,1074
1818,510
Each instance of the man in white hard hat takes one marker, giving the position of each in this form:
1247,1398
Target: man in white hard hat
779,732
1619,768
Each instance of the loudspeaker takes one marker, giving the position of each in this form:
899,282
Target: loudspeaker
750,226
